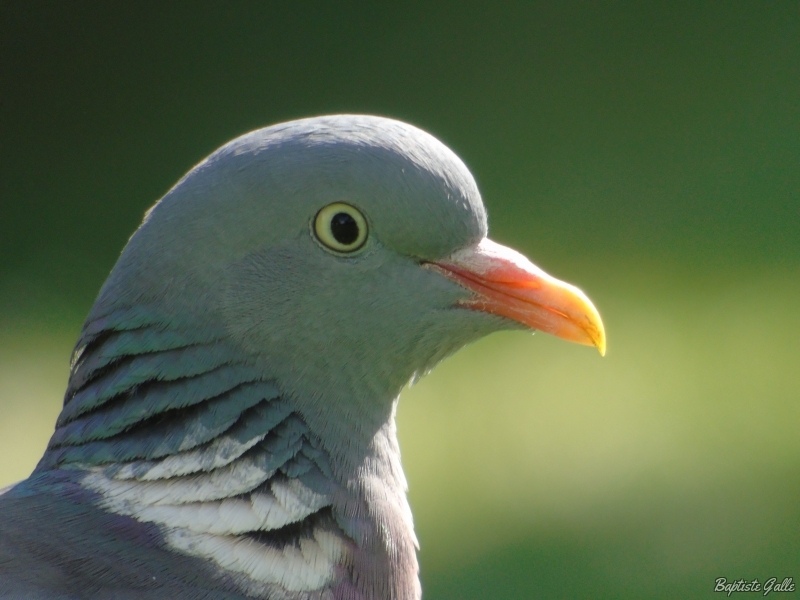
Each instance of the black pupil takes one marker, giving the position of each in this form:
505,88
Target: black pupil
344,228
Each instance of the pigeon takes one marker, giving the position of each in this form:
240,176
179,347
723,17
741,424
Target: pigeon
228,427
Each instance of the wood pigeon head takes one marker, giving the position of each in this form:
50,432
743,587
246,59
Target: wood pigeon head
228,428
349,253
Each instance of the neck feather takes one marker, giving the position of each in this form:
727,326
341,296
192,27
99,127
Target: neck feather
171,425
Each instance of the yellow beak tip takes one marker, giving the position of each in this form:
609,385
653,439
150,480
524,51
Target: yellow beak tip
599,338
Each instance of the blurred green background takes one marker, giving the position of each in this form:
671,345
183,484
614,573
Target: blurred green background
647,151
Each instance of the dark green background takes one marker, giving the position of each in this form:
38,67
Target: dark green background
648,151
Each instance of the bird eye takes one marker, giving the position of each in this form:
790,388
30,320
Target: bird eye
341,227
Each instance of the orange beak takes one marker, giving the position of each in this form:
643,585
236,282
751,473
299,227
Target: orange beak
507,284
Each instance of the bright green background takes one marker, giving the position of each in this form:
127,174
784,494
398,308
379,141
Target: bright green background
647,151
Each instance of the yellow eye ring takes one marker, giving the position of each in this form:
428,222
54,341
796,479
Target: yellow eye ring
341,227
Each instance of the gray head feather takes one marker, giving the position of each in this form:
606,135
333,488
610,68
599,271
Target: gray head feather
230,246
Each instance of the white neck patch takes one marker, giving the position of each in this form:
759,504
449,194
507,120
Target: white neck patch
216,516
